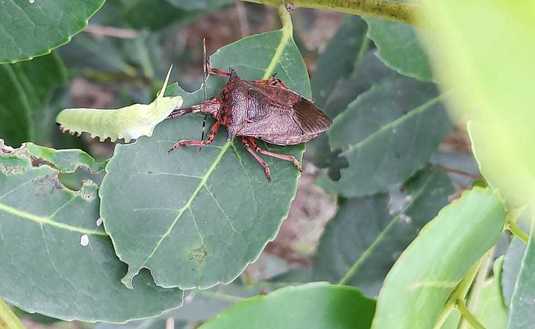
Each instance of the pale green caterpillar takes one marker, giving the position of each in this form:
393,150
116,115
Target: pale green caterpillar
128,123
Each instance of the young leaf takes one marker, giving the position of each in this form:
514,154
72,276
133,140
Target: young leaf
468,60
399,48
418,286
311,306
197,218
34,28
8,319
25,90
523,300
128,123
73,272
387,134
363,241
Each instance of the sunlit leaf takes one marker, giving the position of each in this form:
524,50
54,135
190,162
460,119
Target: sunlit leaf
472,44
417,288
311,306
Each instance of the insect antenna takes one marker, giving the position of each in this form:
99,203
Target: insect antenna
205,79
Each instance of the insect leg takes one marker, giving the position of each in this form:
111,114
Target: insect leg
286,157
180,112
199,143
250,147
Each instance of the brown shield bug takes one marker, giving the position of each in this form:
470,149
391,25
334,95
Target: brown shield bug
258,109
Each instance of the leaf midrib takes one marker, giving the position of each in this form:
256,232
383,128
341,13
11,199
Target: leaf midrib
427,105
47,220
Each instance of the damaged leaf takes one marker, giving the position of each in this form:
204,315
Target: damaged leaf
73,272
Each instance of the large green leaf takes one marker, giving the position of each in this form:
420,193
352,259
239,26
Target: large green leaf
417,288
387,134
364,240
34,28
399,48
197,218
55,259
25,89
472,43
310,306
523,300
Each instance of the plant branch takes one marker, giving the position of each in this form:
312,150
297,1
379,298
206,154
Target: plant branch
467,315
391,10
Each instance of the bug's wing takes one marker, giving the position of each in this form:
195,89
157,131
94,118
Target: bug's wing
288,119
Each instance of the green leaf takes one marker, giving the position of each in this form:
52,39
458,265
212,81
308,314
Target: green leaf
462,38
34,28
103,54
199,4
127,123
523,300
363,241
311,306
25,90
198,218
511,268
399,48
337,62
490,308
417,288
332,80
73,272
155,14
387,134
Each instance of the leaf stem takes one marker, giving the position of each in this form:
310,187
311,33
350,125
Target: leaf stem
475,291
517,231
396,11
467,315
8,319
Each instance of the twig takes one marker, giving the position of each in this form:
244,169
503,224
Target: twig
110,31
392,10
467,315
517,231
